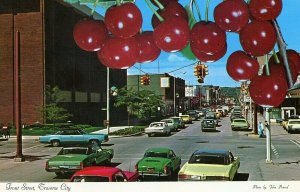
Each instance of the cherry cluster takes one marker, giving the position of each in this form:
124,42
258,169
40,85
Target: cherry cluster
119,42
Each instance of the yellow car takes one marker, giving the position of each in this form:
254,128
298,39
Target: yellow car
208,165
186,118
218,114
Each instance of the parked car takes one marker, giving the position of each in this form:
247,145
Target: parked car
239,124
186,118
158,128
159,162
73,136
104,174
72,159
293,125
178,122
236,116
285,121
208,124
210,164
171,123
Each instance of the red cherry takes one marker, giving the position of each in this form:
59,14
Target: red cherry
123,21
268,91
294,57
234,18
172,35
258,38
241,67
207,37
209,58
163,2
147,49
171,9
118,53
265,9
89,34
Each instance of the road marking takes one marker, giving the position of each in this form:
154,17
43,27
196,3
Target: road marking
275,151
296,142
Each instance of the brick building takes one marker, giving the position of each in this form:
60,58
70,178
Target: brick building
40,31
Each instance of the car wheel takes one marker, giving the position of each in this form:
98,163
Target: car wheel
149,135
55,143
94,142
59,174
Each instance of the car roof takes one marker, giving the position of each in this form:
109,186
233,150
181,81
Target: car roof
158,149
211,151
97,171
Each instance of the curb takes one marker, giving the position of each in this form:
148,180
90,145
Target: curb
119,136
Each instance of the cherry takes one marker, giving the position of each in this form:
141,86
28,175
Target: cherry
147,49
231,15
118,53
294,57
258,38
241,67
123,21
172,8
205,57
268,91
265,9
89,34
163,2
172,34
207,37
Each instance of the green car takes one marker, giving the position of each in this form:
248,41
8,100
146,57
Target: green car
72,159
159,162
239,123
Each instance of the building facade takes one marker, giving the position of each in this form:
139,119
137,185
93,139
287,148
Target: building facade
38,36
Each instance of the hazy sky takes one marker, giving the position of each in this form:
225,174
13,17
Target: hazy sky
288,21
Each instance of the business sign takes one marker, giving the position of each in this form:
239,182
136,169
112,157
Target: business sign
164,82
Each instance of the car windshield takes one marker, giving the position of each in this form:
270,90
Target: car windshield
156,124
66,151
208,159
156,154
90,179
176,120
239,121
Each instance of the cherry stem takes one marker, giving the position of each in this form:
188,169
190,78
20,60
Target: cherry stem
248,2
118,2
194,2
160,6
282,49
94,7
160,18
275,56
206,10
267,65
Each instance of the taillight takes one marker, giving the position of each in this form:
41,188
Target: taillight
183,176
81,165
166,169
47,165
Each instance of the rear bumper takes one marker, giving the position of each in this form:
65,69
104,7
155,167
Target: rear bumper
156,174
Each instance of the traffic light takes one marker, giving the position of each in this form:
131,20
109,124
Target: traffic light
205,70
200,79
198,70
145,80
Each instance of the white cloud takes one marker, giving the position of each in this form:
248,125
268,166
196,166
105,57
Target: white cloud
175,58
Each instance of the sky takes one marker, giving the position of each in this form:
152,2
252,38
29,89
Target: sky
288,21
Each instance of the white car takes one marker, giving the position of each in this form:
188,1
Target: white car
158,128
293,125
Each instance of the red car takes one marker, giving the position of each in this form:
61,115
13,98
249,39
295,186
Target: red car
104,174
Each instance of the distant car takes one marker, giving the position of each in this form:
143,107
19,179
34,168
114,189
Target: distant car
208,165
171,123
159,162
72,159
200,112
73,136
236,116
211,115
178,122
186,118
193,114
158,128
239,124
104,174
208,124
285,121
293,125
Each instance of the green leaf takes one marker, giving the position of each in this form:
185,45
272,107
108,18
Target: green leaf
187,53
191,17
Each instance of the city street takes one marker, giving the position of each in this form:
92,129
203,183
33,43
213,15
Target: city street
128,150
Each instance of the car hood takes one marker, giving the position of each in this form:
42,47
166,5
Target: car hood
205,169
152,162
67,158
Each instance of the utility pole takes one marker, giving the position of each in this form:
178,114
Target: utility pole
107,100
268,135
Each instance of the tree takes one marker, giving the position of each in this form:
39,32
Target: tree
141,104
52,112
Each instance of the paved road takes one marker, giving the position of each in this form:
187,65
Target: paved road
128,150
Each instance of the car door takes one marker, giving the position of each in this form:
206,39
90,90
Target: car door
175,161
77,136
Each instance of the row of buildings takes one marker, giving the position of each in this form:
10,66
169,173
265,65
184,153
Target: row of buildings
36,39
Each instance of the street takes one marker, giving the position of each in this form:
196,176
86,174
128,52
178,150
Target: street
128,150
